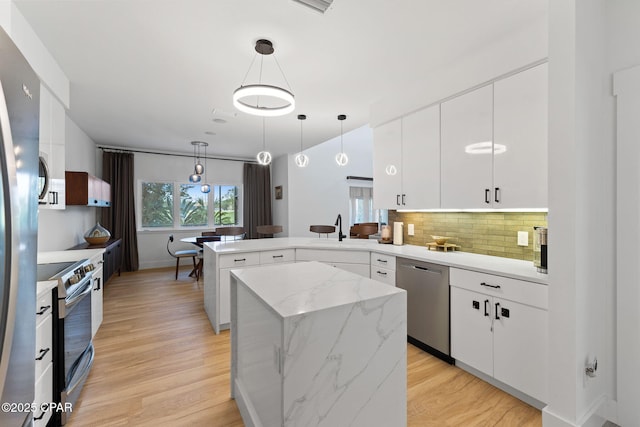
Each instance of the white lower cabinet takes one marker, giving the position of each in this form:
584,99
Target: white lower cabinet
352,261
499,327
97,293
228,263
383,268
43,391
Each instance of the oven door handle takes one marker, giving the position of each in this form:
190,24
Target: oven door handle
76,299
84,374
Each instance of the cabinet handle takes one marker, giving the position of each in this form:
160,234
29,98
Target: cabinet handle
486,307
240,260
403,196
98,281
40,417
278,256
490,286
43,352
43,309
382,260
497,194
487,193
398,199
497,306
382,273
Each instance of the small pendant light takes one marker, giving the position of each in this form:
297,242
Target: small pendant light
302,160
264,157
195,176
205,188
341,158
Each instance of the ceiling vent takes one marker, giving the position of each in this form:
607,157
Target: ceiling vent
317,5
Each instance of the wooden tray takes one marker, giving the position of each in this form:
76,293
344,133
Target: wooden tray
445,248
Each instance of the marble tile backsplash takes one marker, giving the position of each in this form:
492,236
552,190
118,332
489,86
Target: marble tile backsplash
489,233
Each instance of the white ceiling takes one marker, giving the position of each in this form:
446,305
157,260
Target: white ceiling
149,73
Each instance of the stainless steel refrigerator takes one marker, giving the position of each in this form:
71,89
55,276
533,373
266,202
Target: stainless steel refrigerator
19,110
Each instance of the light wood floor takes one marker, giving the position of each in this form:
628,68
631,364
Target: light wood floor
158,363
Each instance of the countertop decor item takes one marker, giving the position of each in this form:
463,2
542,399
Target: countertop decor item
97,235
440,240
244,96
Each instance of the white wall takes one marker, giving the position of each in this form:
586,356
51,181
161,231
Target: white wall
319,192
528,45
152,251
280,207
62,229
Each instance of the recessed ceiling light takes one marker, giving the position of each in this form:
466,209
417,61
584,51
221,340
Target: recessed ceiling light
220,121
208,132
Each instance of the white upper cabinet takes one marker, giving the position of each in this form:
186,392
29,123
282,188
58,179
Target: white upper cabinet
494,144
52,148
406,162
387,163
520,125
467,160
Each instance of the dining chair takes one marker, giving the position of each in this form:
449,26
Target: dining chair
268,230
200,241
209,233
187,253
322,229
237,232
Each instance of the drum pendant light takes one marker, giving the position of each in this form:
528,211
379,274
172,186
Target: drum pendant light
247,97
302,160
341,158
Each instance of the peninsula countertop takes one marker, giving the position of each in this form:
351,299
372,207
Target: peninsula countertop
516,269
302,288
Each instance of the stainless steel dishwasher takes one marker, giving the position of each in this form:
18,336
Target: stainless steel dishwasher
427,287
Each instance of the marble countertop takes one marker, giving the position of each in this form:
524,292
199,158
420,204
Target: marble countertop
68,255
507,267
305,287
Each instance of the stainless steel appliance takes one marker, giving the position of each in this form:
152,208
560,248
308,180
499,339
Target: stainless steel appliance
19,112
540,249
72,349
427,287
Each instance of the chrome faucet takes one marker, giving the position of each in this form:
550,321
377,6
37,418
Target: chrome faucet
340,235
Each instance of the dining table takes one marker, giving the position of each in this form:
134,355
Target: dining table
198,270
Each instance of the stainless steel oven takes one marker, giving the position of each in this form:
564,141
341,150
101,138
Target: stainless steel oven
73,349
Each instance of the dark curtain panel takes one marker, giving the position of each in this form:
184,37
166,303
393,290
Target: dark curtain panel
120,218
257,198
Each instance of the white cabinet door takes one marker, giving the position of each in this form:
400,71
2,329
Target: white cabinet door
96,301
224,305
421,159
387,165
520,126
360,269
471,336
520,347
467,157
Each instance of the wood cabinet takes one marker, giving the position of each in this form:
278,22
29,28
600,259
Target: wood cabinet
44,355
494,144
406,161
86,190
499,327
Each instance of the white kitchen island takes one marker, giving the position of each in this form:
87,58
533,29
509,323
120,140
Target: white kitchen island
315,345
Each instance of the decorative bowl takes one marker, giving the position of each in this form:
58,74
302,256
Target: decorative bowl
96,240
440,240
97,235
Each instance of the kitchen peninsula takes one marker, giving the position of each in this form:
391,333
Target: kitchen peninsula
312,344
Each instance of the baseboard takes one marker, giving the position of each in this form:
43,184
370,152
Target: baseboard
502,386
602,412
247,411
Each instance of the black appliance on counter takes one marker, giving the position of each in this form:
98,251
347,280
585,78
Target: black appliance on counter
73,351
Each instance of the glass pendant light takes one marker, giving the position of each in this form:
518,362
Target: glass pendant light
264,157
341,158
302,160
198,169
205,188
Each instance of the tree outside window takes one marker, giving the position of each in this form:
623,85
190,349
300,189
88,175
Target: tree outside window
157,204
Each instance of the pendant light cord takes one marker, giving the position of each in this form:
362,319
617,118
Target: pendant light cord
282,72
341,146
264,145
301,135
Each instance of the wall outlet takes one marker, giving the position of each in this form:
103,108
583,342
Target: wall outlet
410,230
523,238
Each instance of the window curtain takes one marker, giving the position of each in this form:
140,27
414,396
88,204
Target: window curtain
120,218
361,205
257,198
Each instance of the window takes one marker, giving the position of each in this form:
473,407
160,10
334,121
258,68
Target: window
177,205
361,207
